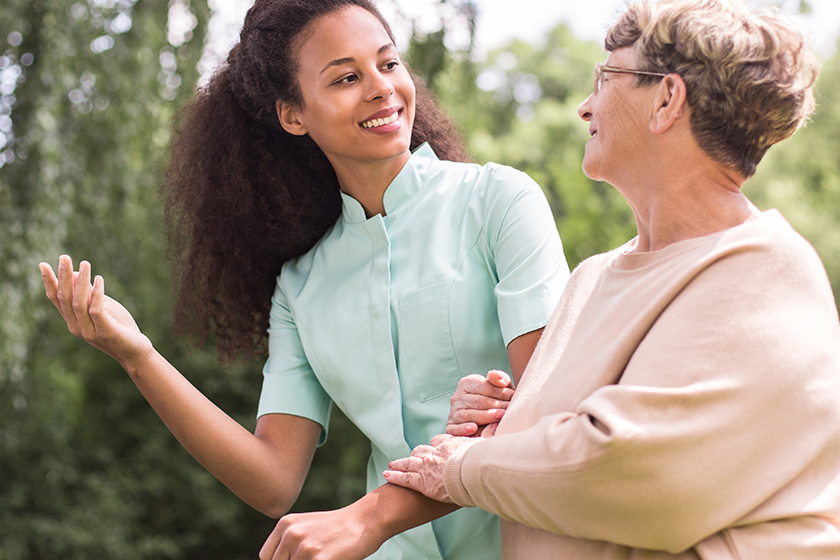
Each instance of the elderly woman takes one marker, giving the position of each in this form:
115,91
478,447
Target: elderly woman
684,400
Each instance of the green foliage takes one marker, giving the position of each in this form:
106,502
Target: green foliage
519,108
87,470
801,176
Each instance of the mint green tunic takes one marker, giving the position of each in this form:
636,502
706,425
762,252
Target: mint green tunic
384,316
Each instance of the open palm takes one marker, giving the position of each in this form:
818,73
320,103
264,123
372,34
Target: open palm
91,315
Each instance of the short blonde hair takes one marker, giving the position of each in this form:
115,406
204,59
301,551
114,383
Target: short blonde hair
749,75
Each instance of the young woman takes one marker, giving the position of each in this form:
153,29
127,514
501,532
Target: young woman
309,169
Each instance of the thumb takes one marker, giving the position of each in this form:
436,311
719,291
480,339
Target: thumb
498,378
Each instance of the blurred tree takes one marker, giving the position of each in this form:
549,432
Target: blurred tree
86,469
801,176
87,92
519,107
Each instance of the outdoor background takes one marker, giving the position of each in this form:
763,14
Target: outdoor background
88,90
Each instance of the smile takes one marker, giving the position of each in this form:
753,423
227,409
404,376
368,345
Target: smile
373,123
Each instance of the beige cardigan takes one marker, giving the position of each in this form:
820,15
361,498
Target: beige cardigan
682,403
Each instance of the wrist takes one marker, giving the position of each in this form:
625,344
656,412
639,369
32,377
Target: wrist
139,361
394,509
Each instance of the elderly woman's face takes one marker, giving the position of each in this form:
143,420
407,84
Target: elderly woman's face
618,116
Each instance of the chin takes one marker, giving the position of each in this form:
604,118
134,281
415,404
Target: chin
591,171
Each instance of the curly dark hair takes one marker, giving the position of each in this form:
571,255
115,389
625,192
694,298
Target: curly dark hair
242,196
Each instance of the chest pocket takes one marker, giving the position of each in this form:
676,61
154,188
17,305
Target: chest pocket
426,340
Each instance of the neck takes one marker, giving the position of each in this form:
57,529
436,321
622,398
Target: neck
367,181
675,206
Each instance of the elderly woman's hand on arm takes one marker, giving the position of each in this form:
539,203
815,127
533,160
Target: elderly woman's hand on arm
423,471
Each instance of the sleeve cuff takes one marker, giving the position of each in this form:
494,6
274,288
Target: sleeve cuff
452,476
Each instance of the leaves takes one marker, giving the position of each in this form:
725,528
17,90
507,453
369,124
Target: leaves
87,93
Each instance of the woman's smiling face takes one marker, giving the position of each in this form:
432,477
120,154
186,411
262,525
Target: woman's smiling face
358,98
618,117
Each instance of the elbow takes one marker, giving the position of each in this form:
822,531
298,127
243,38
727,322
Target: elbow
274,509
274,504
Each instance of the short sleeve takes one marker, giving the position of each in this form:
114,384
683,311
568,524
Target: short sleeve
289,384
527,252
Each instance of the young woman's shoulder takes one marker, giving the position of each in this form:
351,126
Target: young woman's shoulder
491,181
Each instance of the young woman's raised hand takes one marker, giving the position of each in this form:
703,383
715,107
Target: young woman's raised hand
93,316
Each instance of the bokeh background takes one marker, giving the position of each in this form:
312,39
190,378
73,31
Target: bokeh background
88,92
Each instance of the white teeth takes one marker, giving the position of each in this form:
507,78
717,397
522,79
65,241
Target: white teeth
381,122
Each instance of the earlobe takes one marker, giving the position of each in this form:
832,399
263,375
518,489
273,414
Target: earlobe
290,118
670,99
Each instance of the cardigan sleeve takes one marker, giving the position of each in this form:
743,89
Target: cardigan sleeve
731,395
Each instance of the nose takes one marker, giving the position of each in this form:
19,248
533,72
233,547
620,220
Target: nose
583,109
379,87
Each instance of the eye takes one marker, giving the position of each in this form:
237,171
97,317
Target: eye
349,78
390,65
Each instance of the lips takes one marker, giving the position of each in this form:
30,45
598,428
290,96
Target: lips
381,118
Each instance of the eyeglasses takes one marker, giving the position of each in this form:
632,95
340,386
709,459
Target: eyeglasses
601,69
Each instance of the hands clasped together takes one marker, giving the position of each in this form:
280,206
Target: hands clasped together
476,408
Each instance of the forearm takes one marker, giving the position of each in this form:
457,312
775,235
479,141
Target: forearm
390,510
264,473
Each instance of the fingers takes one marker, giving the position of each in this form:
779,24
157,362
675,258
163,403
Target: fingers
73,295
96,308
478,385
489,430
475,412
411,480
405,472
477,402
423,471
468,429
81,301
271,545
498,378
406,464
50,283
65,288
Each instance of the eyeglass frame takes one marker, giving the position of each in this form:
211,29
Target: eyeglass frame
601,69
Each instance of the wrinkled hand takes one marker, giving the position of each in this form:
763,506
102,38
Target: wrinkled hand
322,535
91,315
479,404
423,471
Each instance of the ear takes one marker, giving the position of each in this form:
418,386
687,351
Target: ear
289,116
670,103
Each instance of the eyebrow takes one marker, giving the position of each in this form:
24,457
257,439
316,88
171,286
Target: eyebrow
340,61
